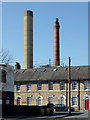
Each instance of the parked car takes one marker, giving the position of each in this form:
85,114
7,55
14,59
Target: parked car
61,107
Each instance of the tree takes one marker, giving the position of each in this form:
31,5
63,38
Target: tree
5,57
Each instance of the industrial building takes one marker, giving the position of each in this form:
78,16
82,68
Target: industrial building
40,86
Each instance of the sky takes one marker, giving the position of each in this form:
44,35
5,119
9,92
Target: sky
73,19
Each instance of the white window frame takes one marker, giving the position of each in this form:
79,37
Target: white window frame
62,85
62,96
29,103
28,87
75,102
39,100
39,86
50,86
50,99
17,87
86,85
39,96
74,85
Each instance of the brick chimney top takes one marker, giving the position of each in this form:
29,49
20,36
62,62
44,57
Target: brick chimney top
56,19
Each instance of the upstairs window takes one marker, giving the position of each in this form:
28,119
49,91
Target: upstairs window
62,85
28,86
3,76
50,86
39,86
74,85
18,87
86,85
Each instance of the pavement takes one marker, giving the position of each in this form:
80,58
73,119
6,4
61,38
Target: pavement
81,115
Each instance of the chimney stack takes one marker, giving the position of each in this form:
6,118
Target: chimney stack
28,39
56,61
17,66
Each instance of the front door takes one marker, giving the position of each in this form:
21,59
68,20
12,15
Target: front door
86,104
18,101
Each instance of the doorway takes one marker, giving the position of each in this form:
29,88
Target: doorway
19,101
87,104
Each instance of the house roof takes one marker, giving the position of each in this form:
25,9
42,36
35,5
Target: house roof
52,73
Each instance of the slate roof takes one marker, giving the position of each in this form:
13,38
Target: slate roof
52,73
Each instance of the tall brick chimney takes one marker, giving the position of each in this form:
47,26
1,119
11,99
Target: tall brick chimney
28,39
56,61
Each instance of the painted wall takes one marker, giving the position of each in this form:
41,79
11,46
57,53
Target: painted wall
9,85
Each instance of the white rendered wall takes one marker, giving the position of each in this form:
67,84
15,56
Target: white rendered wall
9,85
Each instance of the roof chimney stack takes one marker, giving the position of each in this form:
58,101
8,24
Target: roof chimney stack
28,39
56,61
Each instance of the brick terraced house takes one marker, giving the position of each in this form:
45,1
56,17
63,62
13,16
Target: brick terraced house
40,86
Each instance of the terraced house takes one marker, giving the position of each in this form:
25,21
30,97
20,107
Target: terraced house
40,86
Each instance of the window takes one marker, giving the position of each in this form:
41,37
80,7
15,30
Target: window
86,85
3,76
29,100
74,85
62,85
39,86
62,100
39,101
50,99
28,86
50,86
74,101
0,101
7,102
18,87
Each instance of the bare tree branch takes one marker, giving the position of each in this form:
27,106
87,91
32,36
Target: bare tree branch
5,57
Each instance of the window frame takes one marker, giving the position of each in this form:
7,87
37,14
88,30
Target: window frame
88,85
39,100
50,100
62,85
28,86
3,76
74,86
17,86
74,97
39,86
50,86
29,99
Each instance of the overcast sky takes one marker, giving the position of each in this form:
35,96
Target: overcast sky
73,19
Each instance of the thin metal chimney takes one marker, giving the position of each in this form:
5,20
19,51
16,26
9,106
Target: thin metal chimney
28,39
56,61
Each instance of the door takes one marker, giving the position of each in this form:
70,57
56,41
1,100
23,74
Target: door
18,101
86,104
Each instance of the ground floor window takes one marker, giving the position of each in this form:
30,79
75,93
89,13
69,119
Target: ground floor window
28,100
62,100
0,101
74,101
39,101
50,99
7,101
